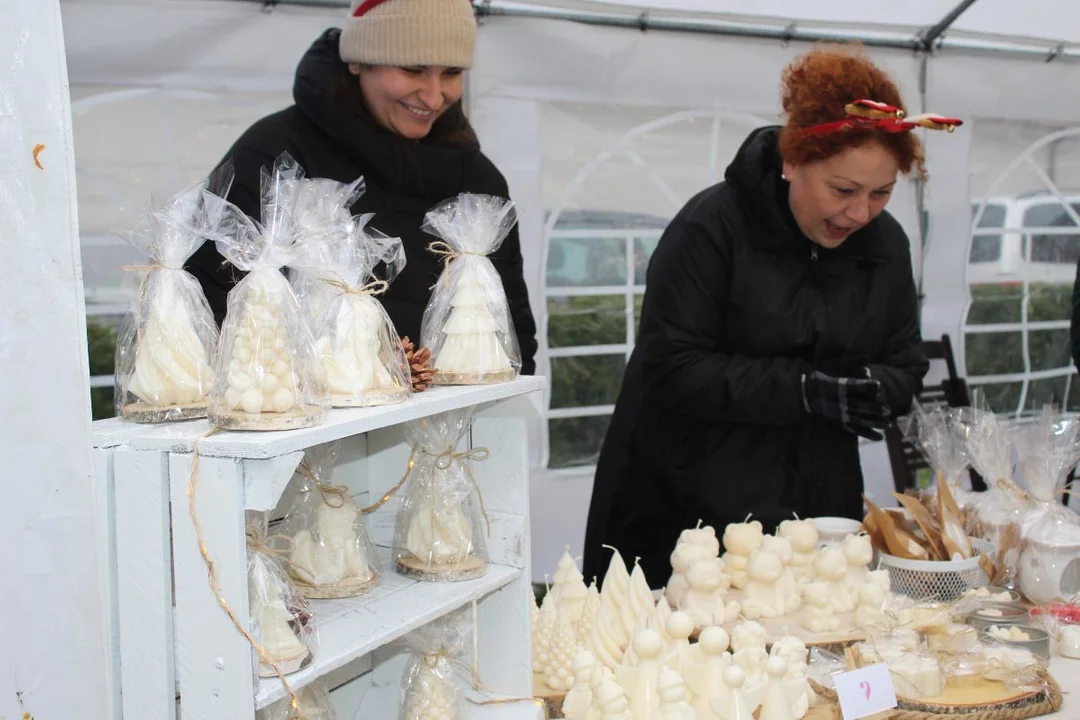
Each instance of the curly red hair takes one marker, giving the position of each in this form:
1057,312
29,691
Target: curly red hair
817,86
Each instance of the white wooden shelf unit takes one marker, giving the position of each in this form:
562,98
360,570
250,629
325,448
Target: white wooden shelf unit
180,656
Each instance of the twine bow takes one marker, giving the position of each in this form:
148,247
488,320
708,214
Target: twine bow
333,495
375,287
448,254
443,461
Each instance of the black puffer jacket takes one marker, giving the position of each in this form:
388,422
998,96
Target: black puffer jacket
404,179
710,421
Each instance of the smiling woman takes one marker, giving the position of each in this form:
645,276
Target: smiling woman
382,99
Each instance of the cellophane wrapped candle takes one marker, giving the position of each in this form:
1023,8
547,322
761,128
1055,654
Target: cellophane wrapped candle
169,337
355,339
440,525
467,323
330,554
314,701
280,621
432,686
268,376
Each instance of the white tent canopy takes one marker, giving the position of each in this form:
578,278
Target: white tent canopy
593,120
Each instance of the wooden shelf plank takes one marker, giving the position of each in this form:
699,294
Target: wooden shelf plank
353,627
338,423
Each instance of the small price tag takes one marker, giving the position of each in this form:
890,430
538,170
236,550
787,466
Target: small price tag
865,691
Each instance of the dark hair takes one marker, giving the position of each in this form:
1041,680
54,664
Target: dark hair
817,86
451,129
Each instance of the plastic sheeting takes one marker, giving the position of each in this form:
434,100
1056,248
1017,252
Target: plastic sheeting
53,647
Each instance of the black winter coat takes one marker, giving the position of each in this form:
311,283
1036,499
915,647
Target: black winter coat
710,422
404,179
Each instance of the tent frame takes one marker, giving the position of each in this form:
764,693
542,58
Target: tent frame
930,40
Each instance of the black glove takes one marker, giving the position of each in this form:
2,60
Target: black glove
856,403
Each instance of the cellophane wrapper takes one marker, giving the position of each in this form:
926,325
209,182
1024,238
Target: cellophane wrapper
440,527
467,323
169,337
1048,450
323,222
940,434
355,339
997,514
267,373
314,705
330,553
433,686
281,622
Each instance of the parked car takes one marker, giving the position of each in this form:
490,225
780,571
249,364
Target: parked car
1033,237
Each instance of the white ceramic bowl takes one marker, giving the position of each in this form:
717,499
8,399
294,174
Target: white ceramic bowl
835,529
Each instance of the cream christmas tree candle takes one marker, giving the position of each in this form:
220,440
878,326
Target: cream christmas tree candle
169,338
558,674
272,618
431,695
467,322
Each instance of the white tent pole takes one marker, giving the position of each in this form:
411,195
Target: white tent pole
1029,49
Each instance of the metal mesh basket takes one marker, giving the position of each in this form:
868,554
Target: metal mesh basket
936,579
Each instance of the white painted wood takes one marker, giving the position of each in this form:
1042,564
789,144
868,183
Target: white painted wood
355,649
265,480
505,651
53,641
144,575
106,517
214,661
353,627
339,423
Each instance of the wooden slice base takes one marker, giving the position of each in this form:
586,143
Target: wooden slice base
786,625
294,419
552,699
413,567
474,378
372,398
349,587
287,665
973,698
140,412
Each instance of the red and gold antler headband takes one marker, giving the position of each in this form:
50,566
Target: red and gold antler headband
871,115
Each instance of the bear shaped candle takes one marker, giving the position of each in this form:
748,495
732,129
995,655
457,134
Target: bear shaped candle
331,555
440,526
741,539
467,322
695,544
706,600
817,613
355,339
803,536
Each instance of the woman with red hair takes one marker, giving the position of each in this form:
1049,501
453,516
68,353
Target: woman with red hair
780,324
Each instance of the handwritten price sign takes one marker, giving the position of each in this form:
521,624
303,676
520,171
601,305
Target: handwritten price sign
865,691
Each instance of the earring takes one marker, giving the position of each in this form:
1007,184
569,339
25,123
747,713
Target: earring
784,177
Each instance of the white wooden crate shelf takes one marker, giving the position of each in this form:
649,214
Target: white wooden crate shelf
339,423
172,632
353,627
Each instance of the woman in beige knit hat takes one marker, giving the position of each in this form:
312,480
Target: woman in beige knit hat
381,99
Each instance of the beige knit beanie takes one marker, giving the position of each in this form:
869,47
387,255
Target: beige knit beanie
404,33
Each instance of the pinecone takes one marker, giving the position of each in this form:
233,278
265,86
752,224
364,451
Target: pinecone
423,375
